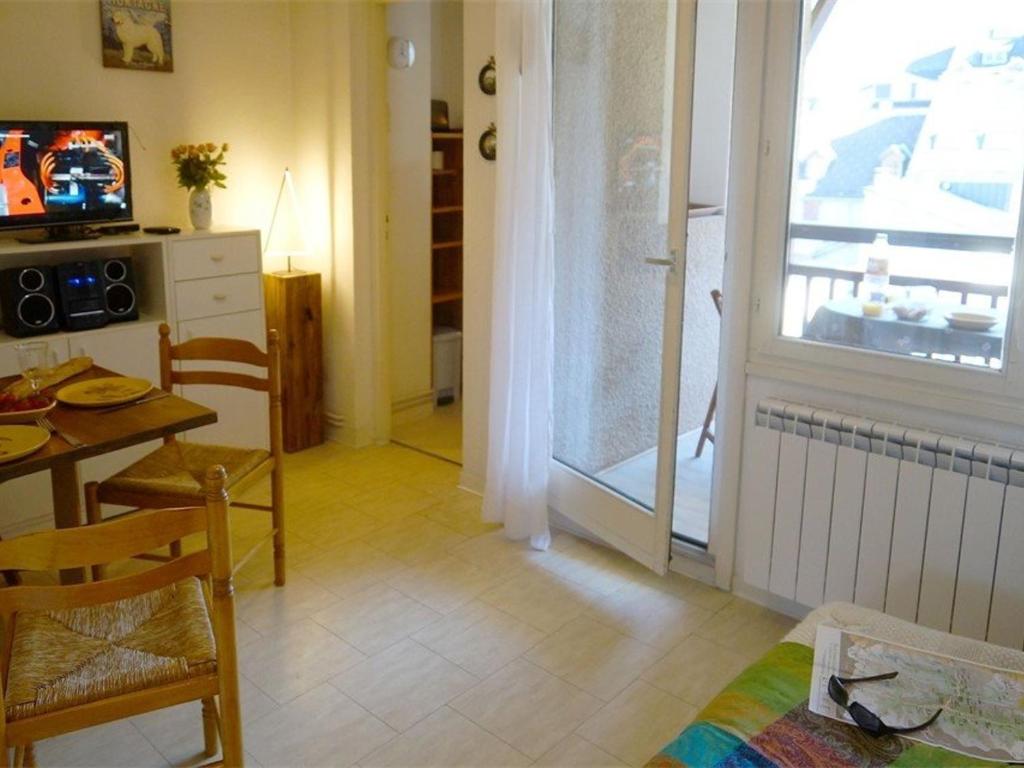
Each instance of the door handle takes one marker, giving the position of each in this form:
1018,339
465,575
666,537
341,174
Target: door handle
663,262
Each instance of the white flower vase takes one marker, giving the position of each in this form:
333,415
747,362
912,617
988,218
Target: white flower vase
200,208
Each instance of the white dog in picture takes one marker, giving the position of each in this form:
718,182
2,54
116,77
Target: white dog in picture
134,35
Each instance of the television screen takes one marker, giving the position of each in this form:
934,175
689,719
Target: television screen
63,174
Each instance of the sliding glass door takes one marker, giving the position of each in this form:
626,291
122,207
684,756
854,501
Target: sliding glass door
623,91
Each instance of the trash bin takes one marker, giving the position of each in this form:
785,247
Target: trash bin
447,365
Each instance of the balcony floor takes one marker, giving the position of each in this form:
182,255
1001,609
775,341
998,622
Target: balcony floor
635,477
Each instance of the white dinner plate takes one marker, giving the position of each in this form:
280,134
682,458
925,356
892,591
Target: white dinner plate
971,321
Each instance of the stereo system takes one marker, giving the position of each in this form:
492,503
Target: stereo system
119,290
29,301
75,296
80,290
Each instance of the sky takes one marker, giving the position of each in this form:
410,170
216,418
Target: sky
864,41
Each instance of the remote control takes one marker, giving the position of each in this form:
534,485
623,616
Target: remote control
161,230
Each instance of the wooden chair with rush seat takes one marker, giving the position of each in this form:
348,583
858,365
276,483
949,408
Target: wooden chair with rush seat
706,435
80,655
171,475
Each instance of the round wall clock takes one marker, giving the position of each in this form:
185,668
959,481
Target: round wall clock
488,143
488,78
401,53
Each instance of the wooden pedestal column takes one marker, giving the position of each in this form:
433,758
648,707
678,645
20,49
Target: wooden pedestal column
293,308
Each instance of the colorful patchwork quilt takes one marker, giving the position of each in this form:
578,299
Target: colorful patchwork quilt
761,720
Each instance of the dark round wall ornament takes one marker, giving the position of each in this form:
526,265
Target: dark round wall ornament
488,143
488,78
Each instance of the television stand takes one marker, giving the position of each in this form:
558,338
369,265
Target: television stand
61,234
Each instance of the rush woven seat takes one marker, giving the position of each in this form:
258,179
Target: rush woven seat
64,658
176,470
84,654
171,476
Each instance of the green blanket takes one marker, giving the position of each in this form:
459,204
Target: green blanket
761,720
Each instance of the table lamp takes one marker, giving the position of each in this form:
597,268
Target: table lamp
293,306
286,236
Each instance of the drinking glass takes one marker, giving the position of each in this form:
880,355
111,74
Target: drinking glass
35,361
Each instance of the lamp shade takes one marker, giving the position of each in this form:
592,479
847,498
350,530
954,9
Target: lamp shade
286,237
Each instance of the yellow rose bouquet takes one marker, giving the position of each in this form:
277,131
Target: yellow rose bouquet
198,165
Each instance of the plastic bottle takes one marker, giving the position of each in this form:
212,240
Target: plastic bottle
876,274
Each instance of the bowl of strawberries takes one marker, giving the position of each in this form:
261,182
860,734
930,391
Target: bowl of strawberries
25,410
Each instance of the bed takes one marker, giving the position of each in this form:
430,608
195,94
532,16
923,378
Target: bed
761,720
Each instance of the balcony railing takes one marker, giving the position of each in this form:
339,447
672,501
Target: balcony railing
945,241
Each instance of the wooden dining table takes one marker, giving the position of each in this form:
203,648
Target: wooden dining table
100,430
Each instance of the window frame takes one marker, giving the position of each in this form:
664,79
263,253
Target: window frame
889,376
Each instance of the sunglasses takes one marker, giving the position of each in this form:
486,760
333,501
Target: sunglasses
862,716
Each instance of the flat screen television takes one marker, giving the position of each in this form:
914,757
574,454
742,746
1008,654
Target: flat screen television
63,176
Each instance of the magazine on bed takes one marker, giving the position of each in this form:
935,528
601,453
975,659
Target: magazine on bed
982,706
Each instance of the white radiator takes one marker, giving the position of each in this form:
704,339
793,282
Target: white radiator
923,526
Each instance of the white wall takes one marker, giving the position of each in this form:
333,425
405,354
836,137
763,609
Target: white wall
446,56
712,100
409,186
478,243
231,82
337,66
361,288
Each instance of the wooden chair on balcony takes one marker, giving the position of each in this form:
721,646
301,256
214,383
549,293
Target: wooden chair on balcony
171,476
706,435
80,655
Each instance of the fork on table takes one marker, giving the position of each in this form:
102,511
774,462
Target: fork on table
71,440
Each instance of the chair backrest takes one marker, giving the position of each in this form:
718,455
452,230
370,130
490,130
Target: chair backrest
223,350
116,540
716,296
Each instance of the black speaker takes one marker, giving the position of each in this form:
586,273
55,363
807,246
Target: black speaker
80,288
119,290
29,301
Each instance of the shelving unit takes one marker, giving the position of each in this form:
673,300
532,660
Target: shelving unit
447,296
446,233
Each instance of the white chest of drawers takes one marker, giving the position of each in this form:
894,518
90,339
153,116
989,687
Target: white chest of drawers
218,291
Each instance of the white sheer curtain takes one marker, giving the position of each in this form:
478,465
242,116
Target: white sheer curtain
519,438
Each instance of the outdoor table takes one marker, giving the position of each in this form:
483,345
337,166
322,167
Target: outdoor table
842,321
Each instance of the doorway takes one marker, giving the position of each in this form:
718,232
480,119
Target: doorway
642,114
425,226
636,475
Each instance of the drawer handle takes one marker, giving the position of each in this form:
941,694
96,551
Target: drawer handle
216,257
220,296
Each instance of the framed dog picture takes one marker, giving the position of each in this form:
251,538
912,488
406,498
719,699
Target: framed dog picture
137,34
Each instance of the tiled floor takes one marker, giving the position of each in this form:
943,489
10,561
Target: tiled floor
439,434
411,634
